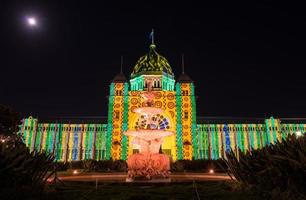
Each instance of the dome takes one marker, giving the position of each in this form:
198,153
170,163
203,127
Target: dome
152,64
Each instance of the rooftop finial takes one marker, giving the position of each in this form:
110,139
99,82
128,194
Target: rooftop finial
121,64
183,64
152,36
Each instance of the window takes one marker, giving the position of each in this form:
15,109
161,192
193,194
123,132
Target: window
185,115
116,115
118,93
185,92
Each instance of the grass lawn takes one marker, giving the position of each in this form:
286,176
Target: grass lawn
199,190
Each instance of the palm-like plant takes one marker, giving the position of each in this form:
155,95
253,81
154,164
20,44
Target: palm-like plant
273,170
20,168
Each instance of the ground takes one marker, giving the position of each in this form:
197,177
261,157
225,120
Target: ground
112,186
112,191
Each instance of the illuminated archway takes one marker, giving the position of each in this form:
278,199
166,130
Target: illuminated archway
164,121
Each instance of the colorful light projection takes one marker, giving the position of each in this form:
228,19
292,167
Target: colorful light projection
71,142
68,142
192,140
167,120
243,137
186,107
119,119
179,141
124,142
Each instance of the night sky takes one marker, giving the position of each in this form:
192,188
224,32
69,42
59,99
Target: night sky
246,60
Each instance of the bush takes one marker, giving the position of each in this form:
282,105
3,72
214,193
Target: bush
177,166
275,171
61,166
99,166
119,165
76,164
20,169
198,165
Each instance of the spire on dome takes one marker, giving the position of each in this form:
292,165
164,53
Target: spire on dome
152,36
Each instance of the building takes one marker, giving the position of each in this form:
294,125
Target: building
195,137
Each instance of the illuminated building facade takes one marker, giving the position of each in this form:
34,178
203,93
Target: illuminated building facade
194,138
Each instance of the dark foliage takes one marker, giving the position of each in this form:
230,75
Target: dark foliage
94,165
275,171
198,165
21,170
121,165
9,120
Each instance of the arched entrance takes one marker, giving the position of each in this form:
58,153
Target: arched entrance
163,121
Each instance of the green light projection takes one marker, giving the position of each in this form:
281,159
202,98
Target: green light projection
193,122
179,141
152,63
110,121
125,121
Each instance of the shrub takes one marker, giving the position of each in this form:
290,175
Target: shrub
100,165
177,166
76,164
61,166
198,165
20,169
275,171
119,165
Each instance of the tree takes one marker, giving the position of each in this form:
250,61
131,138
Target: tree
9,120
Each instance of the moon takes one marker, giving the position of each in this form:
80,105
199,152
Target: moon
32,21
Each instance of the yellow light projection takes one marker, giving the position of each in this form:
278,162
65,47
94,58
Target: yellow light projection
117,122
165,100
186,121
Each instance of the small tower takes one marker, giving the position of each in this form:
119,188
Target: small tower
186,116
117,117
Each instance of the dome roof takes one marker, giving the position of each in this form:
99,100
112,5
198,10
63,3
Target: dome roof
152,63
119,78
